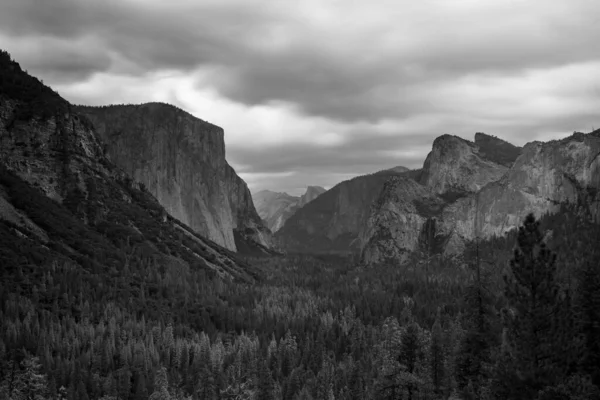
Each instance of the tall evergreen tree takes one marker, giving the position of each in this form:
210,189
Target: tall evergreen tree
161,386
587,315
437,356
533,301
410,350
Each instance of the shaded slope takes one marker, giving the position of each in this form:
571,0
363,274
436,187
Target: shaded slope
332,222
71,203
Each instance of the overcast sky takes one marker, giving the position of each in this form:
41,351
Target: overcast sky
313,92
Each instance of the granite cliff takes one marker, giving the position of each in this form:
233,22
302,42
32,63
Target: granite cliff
465,189
64,198
486,188
181,160
275,208
396,220
312,192
456,166
542,177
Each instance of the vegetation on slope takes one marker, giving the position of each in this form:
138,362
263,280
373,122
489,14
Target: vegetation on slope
312,328
496,149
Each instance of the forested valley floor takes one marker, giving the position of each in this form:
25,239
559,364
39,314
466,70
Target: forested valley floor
499,324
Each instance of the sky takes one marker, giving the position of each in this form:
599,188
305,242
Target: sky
314,92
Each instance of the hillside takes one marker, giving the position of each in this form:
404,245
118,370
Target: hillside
61,195
333,221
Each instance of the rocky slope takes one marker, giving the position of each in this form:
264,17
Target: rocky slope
276,208
397,218
333,221
456,165
181,160
465,189
63,196
542,177
487,188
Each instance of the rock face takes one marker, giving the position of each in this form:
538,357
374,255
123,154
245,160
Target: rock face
49,151
544,175
181,160
494,186
276,208
465,189
396,221
455,165
312,192
333,221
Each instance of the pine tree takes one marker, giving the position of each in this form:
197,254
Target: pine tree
437,356
410,349
265,383
30,382
587,314
533,298
161,386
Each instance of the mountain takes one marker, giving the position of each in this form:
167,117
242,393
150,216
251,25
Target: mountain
453,169
276,208
397,218
63,202
457,166
542,178
466,188
485,188
332,222
181,160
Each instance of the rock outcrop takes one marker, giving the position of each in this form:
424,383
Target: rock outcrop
181,160
50,151
397,218
455,166
276,208
544,176
312,192
465,189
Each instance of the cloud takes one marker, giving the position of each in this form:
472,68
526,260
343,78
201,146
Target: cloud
309,92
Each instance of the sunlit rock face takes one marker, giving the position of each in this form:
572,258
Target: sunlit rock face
483,188
181,161
455,165
542,177
397,217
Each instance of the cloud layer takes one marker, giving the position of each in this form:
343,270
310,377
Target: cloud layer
317,91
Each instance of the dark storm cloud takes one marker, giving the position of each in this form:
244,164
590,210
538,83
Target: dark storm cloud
348,157
518,69
322,72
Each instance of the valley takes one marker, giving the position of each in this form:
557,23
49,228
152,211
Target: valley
136,264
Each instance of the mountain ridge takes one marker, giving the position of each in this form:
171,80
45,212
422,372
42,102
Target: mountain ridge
63,197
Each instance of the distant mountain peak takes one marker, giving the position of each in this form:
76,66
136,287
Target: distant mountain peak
275,208
312,192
